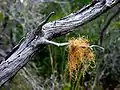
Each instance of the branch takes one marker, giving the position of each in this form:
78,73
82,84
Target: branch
106,24
33,41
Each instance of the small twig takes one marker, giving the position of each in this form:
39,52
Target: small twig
45,21
55,43
91,47
97,47
64,44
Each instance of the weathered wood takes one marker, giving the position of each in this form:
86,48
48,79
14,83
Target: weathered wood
21,56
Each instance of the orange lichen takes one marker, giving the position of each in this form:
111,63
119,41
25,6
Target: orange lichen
79,53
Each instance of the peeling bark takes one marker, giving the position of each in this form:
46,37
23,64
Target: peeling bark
33,41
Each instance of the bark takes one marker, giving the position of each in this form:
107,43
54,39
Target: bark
34,41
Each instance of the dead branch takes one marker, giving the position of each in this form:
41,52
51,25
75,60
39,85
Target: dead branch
34,41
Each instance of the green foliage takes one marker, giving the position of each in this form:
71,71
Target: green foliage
109,65
1,16
49,66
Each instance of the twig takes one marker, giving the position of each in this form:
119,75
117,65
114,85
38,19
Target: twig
97,47
55,43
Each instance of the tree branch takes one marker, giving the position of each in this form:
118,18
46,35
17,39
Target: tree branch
33,41
106,24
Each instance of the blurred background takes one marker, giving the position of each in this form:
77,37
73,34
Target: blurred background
48,69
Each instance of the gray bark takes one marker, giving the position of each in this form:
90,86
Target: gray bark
33,41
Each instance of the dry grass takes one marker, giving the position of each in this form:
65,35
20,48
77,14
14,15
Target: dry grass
79,55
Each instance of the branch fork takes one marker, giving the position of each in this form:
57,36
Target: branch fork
44,33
